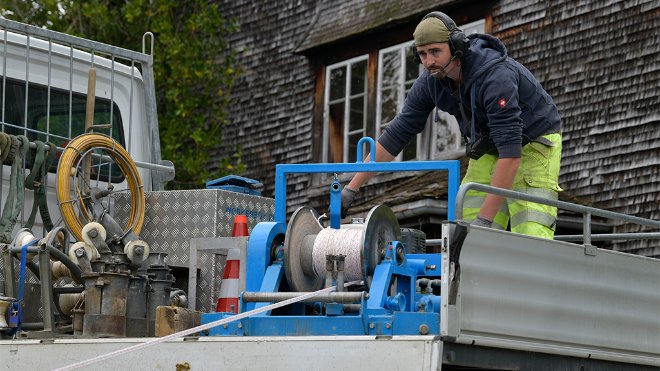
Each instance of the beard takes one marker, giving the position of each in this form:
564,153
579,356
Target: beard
440,74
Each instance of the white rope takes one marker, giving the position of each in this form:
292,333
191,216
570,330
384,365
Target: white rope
198,328
347,242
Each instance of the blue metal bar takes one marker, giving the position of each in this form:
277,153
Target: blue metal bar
372,149
282,170
335,204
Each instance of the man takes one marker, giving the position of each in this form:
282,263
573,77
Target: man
510,124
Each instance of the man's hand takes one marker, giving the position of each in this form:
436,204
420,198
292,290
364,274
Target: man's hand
347,197
482,222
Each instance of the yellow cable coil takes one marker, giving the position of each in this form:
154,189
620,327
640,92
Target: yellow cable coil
66,172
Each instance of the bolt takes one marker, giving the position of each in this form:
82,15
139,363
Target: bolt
400,254
371,326
423,329
388,326
80,252
240,325
92,233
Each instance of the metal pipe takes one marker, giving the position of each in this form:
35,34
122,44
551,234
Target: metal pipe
611,237
75,270
46,288
332,297
545,201
434,242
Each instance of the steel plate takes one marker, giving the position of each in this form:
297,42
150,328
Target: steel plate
301,231
381,228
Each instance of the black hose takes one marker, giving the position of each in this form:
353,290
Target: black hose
76,272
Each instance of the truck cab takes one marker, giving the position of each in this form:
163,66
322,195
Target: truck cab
46,78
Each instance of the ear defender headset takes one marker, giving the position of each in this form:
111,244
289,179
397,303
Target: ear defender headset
458,42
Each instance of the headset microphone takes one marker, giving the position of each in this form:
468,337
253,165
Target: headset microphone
442,72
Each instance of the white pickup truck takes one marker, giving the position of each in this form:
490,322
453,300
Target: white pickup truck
44,89
516,303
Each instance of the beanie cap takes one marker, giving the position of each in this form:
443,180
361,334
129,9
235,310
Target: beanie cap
431,30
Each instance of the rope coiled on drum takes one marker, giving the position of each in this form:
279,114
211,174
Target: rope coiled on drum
345,241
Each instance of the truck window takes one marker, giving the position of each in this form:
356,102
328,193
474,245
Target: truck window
57,121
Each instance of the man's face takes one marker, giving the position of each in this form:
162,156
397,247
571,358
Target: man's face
437,55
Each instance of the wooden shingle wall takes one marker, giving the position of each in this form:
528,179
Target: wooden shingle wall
272,101
601,63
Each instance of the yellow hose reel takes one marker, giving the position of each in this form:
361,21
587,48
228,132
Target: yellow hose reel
72,198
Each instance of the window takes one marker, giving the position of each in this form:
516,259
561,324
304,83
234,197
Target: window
345,111
345,119
397,72
58,119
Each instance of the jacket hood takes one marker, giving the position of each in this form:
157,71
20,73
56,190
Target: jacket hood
485,51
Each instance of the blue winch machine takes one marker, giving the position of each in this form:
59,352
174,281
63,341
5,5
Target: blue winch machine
398,293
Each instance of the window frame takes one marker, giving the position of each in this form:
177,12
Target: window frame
347,105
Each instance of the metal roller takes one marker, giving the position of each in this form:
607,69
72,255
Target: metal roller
378,230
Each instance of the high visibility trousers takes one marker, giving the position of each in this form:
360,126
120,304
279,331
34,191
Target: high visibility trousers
537,175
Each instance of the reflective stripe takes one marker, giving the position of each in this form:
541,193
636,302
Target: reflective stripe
545,219
473,201
498,226
540,192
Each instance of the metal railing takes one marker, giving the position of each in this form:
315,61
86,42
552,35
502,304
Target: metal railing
586,212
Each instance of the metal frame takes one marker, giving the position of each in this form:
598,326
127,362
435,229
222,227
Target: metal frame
282,170
585,210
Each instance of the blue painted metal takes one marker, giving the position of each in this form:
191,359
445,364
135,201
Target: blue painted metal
261,240
335,204
372,149
281,171
235,183
403,312
272,280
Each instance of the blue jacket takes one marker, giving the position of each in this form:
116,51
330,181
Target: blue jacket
505,101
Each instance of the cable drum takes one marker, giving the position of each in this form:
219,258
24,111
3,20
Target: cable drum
307,243
347,242
69,194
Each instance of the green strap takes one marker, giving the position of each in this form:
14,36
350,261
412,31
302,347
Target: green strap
15,196
5,144
32,180
38,184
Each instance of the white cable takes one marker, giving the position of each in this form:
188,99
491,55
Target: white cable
198,328
345,241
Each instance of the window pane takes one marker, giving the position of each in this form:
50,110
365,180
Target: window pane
448,136
357,114
335,132
352,146
359,78
337,83
412,68
56,120
410,151
389,99
391,69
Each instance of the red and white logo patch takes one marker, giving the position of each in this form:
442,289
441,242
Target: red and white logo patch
502,102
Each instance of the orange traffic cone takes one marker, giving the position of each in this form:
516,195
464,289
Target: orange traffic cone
229,288
240,226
